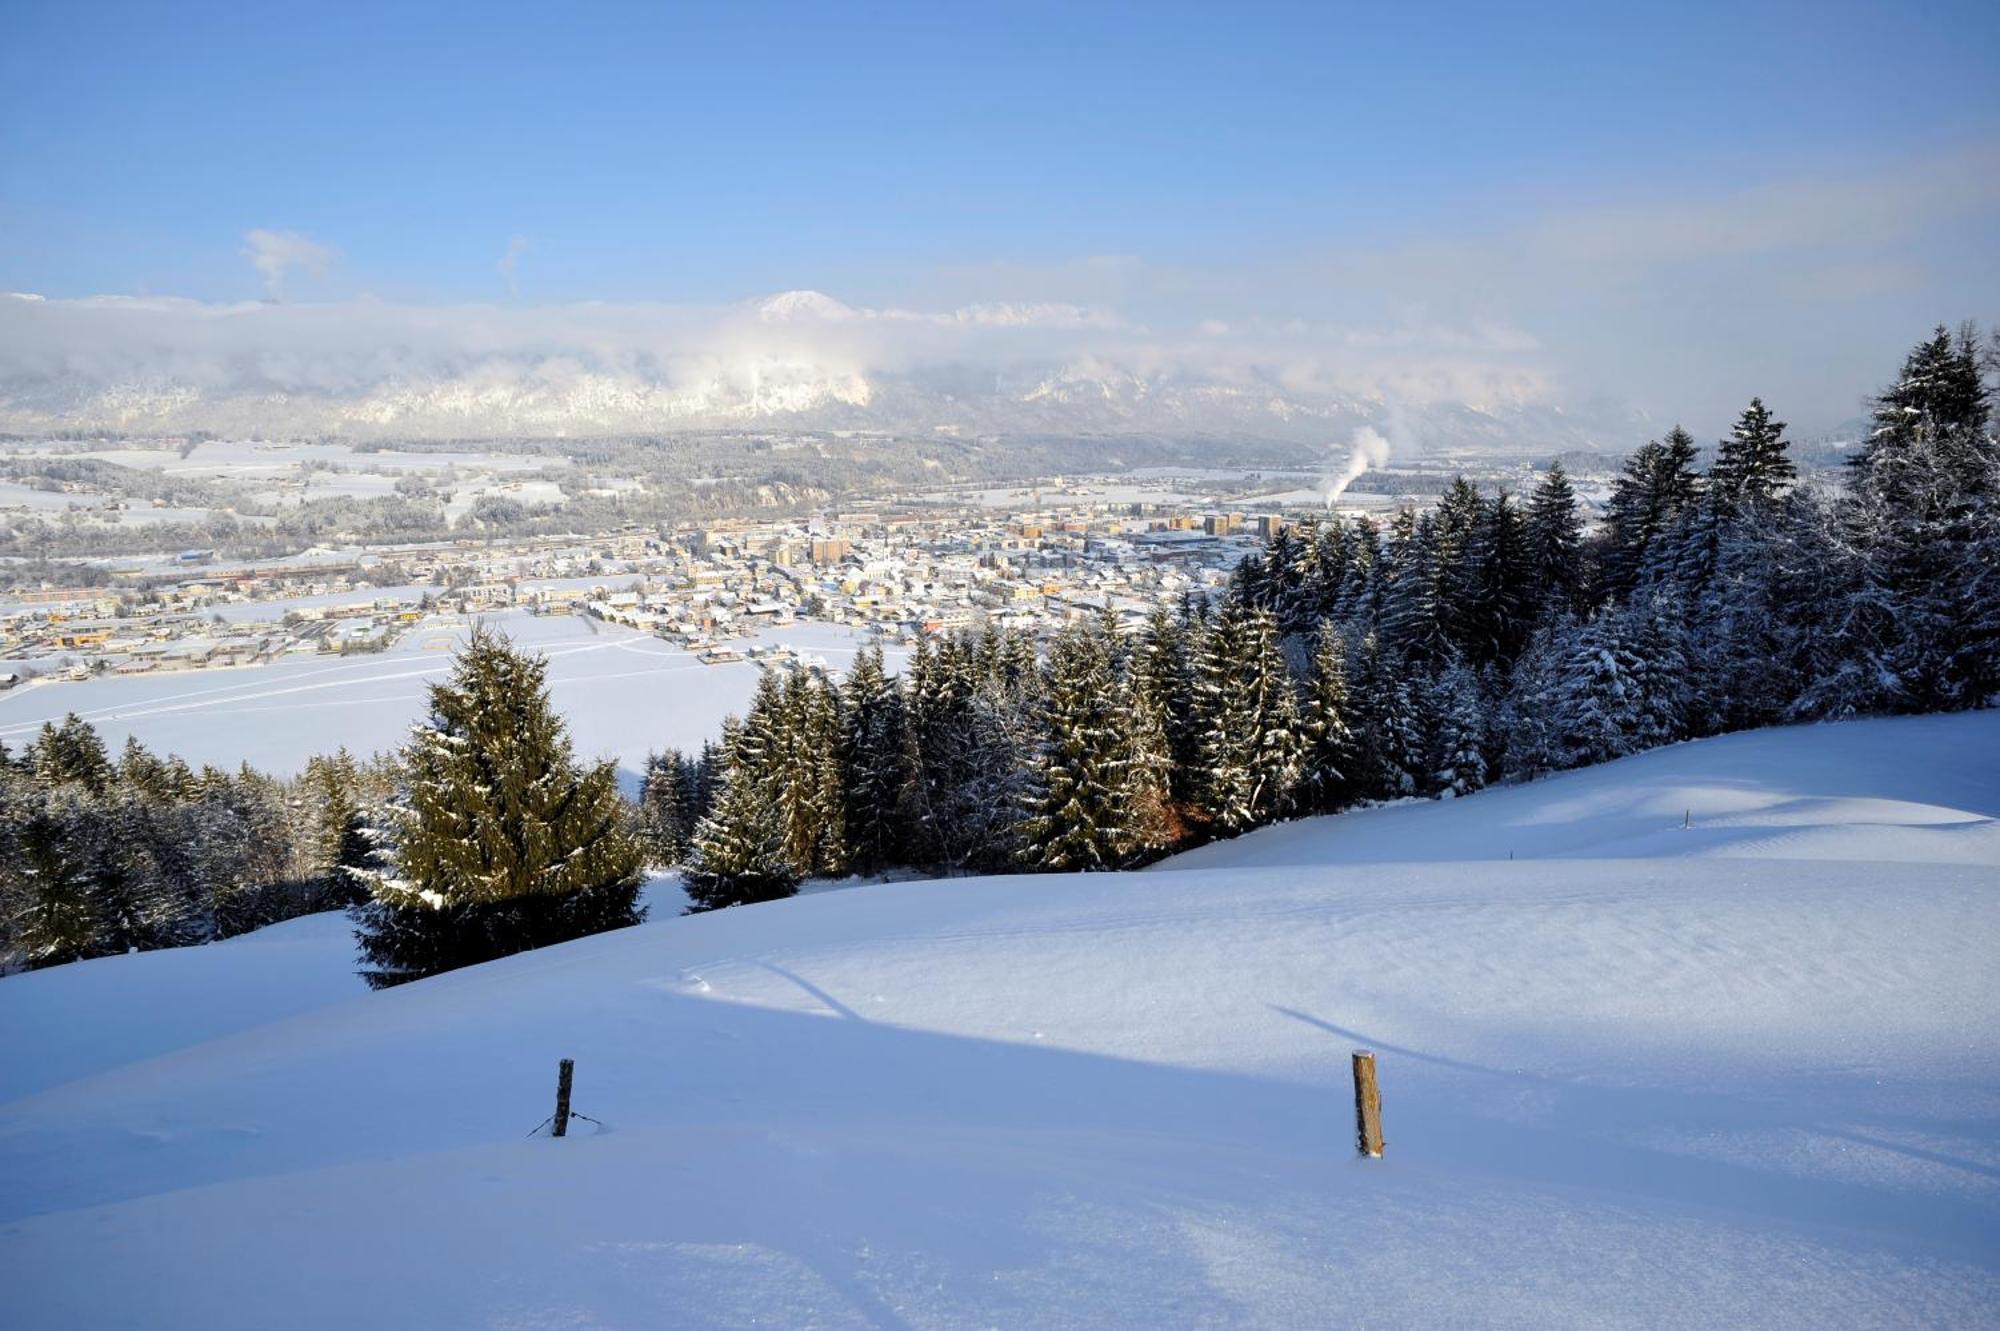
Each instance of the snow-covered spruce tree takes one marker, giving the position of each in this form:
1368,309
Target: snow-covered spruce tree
813,705
1162,675
1619,689
1412,608
132,908
1250,755
1555,545
1360,600
666,794
45,880
739,848
1528,719
1742,660
146,776
1752,466
335,841
1389,720
1339,565
1330,764
1923,513
1500,607
1460,517
1278,571
501,841
1658,486
1078,816
1149,764
71,754
705,780
241,840
1458,715
76,875
968,737
872,755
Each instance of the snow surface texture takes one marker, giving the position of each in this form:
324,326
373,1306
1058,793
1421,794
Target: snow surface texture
1743,1074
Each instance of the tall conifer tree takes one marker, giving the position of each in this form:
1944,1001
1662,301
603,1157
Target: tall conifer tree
501,841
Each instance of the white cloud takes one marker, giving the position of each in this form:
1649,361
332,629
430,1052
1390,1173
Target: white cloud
368,360
275,253
1806,291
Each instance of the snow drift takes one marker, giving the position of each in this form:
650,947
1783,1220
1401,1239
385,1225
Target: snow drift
1742,1074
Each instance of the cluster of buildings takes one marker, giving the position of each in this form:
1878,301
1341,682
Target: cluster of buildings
895,568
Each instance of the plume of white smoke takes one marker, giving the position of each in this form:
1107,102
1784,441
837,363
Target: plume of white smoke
275,253
1370,450
510,263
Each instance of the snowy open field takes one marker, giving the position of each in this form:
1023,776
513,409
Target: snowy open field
1745,1074
624,694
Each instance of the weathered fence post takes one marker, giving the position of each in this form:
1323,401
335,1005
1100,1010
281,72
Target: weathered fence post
1367,1105
563,1071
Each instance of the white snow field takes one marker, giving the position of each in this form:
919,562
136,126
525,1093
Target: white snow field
1746,1074
624,693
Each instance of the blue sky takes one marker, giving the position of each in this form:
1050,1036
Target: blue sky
1219,162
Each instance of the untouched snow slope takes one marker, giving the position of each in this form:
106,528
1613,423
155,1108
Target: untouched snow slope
1641,1088
1920,789
72,1021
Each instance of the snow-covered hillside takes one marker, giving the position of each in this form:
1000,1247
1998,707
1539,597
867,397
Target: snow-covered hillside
1742,1074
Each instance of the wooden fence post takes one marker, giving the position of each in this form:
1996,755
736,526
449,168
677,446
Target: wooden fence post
1367,1105
563,1071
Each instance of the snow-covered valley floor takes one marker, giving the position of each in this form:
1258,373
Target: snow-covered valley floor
1746,1073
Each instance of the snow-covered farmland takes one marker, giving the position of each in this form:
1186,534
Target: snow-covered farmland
1746,1073
624,694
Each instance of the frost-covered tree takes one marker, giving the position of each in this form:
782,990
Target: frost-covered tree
1413,609
1079,813
1459,715
1329,775
872,746
1752,465
1250,755
335,850
501,840
739,848
1923,519
1500,604
666,807
71,754
45,880
969,734
1657,489
1554,539
1614,690
1162,672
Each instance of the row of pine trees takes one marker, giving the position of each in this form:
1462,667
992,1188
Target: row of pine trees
101,855
1486,639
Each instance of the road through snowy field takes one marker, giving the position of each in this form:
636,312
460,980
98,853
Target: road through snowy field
1641,1088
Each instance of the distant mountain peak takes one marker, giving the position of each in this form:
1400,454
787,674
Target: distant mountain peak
788,306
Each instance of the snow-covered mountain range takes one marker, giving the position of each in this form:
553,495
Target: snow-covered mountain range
799,360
